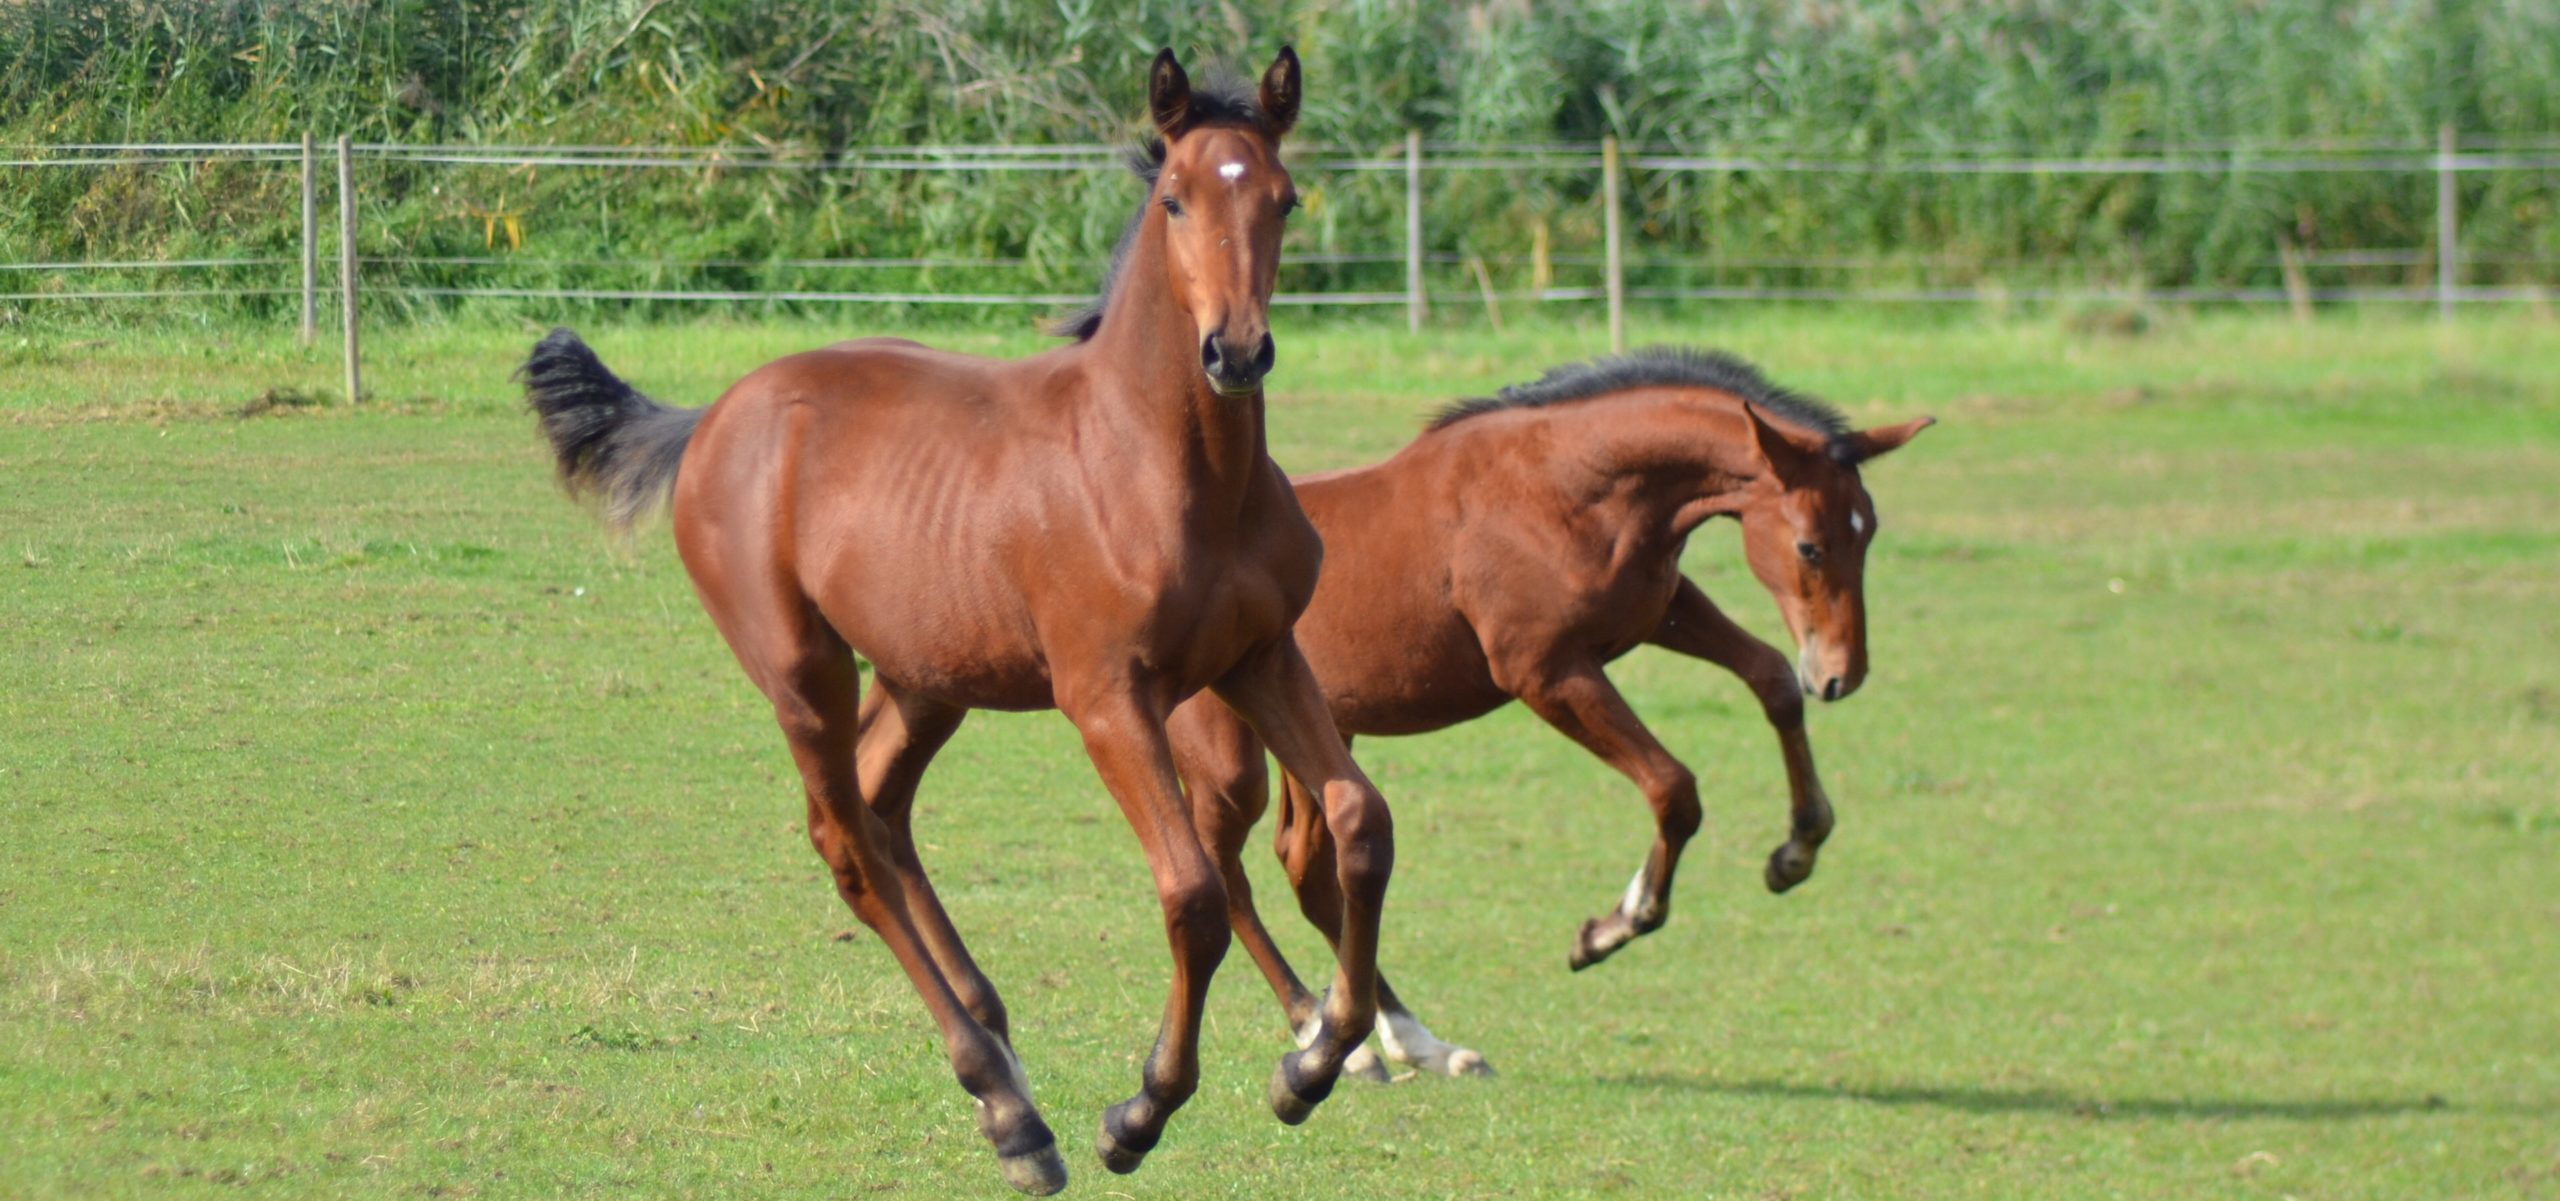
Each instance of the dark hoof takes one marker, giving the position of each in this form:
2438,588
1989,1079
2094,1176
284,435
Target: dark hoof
1122,1147
1600,938
1788,867
1293,1096
1038,1173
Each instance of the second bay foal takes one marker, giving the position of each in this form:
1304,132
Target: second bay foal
1513,551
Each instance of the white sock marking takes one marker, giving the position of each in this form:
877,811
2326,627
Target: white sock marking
1407,1040
1411,1043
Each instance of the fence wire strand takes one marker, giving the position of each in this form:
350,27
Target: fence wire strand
2471,153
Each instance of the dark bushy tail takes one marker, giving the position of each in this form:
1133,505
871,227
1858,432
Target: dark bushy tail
614,444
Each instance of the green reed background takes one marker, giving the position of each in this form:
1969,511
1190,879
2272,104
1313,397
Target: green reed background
1881,79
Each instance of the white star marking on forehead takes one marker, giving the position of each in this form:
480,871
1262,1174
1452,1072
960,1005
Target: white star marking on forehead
1857,522
1231,171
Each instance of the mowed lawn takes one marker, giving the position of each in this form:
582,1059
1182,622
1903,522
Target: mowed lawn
371,824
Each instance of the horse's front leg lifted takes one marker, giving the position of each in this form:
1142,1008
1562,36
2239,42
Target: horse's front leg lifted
1694,626
1580,702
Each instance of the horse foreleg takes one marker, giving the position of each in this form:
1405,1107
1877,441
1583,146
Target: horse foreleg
1228,788
1275,692
1579,701
1308,859
1127,742
1694,626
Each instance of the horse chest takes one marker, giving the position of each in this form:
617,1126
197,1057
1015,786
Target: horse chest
1243,607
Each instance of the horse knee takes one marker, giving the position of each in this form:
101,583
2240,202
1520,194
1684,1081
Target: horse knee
1781,697
1364,837
1195,917
1675,805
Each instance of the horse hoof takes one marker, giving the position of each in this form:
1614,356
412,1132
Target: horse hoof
1364,1064
1598,939
1122,1149
1038,1173
1463,1062
1788,867
1293,1098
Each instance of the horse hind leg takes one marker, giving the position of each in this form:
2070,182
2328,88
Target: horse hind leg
899,736
854,843
809,675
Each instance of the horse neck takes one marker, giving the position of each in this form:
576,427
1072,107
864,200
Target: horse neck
1149,388
1675,462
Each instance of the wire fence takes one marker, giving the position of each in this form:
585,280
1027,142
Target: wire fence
2431,273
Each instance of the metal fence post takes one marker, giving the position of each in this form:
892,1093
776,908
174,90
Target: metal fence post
347,260
1617,250
1414,302
310,239
2448,230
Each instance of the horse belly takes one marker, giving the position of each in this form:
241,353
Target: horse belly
942,625
1382,675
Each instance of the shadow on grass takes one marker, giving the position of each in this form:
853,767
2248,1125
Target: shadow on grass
2045,1100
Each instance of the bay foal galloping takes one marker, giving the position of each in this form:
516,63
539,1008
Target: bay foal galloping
1515,549
1097,528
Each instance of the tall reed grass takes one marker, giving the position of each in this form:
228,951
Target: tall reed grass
1863,79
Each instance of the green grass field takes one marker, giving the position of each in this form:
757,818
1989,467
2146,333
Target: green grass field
370,824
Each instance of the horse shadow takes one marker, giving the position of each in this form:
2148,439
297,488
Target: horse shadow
1991,1100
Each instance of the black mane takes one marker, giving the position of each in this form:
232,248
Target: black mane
1664,367
1216,102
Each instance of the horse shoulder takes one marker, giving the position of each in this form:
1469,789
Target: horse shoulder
1535,565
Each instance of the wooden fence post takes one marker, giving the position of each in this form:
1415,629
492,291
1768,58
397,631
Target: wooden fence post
2448,228
347,260
310,239
1415,303
2297,278
1617,251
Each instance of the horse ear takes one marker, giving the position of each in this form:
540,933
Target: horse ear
1886,438
1169,94
1770,446
1280,91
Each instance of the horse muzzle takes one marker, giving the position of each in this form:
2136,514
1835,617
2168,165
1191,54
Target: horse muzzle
1824,681
1234,367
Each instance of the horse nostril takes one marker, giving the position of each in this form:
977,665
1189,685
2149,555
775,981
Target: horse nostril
1266,355
1210,360
1831,689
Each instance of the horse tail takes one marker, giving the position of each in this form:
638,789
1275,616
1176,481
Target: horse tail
614,444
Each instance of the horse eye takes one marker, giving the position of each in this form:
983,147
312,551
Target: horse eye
1288,206
1173,206
1810,552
